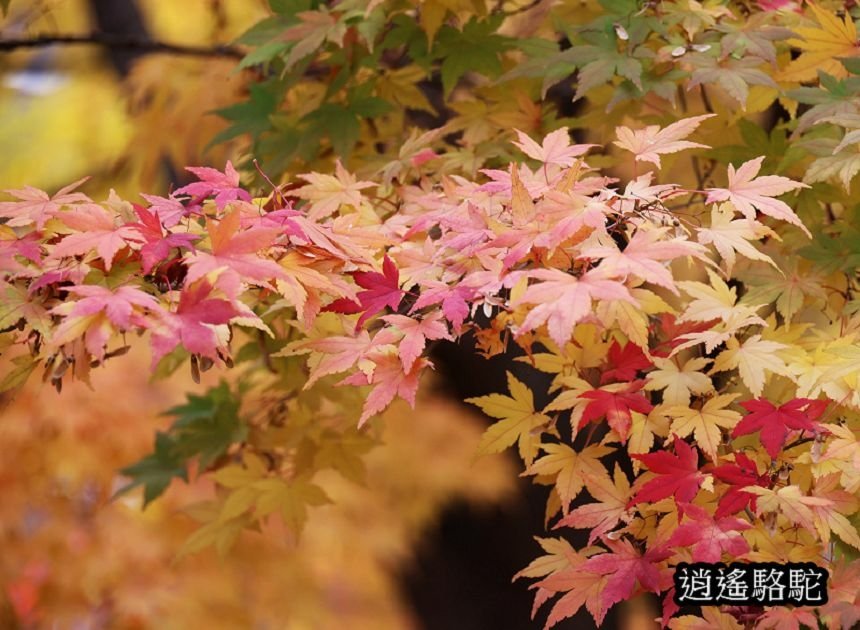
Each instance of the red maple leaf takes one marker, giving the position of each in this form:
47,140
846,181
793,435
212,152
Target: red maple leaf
672,330
624,567
157,246
191,324
710,537
380,290
774,423
738,475
616,407
625,362
678,475
225,186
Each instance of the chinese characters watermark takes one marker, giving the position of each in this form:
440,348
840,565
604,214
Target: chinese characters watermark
750,584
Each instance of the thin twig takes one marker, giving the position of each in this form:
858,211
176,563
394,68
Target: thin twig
112,40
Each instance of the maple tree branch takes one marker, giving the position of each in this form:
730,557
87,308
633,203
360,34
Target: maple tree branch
111,40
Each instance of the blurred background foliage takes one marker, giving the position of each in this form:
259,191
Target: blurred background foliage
68,112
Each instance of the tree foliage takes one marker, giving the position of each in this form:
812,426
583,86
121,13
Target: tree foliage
677,253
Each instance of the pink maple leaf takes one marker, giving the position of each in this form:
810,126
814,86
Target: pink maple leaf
749,193
27,247
644,257
389,380
225,186
554,149
774,423
36,206
96,231
455,300
678,475
562,300
416,332
122,309
340,353
169,210
191,325
710,537
235,250
380,290
157,246
648,144
625,566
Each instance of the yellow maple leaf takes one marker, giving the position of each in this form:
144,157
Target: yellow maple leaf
822,45
519,421
705,423
569,468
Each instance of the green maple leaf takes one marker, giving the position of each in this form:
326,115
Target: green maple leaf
474,49
205,428
155,471
207,425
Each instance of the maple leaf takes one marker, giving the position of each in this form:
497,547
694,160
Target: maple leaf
710,537
615,404
36,206
334,353
625,362
749,193
235,251
416,333
381,290
519,421
643,256
790,501
712,619
832,517
559,555
454,300
170,211
740,474
95,231
570,468
579,588
225,186
822,46
648,144
773,423
192,324
731,237
389,381
705,423
601,518
326,193
624,567
678,475
563,300
678,383
784,618
99,313
157,246
554,149
751,359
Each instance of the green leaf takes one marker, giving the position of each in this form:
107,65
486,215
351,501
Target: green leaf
17,376
207,425
475,49
252,116
155,472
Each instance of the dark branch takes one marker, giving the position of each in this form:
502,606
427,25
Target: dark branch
124,42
